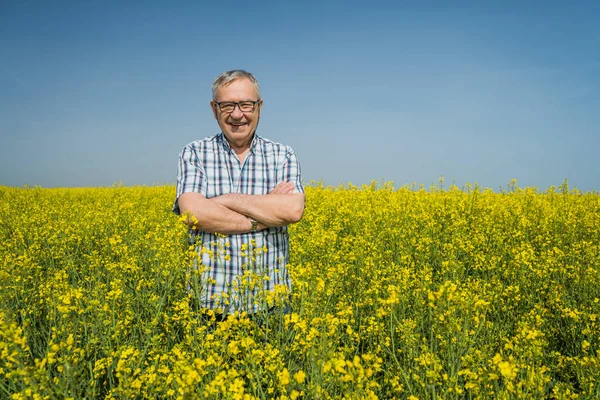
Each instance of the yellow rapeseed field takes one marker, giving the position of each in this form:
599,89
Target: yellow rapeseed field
411,293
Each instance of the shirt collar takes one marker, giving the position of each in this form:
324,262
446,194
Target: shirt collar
227,147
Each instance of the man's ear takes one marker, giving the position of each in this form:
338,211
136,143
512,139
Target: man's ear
213,107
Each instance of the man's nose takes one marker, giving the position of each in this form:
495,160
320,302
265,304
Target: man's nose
237,113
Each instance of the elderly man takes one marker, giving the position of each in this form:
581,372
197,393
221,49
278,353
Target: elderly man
240,191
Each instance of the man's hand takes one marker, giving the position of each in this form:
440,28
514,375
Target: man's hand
283,188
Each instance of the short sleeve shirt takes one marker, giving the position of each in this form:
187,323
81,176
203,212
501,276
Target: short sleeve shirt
238,271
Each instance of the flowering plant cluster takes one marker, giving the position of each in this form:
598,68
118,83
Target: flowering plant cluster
397,293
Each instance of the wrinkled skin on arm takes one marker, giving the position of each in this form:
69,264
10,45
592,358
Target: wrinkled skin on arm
231,213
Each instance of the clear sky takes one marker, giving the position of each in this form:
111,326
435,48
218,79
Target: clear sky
98,92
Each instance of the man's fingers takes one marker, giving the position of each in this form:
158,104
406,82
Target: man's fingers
288,187
279,186
283,188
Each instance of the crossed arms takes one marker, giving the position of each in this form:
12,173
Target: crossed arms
231,213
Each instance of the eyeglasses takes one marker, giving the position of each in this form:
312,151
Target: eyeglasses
244,106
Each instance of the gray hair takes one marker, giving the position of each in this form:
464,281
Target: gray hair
227,77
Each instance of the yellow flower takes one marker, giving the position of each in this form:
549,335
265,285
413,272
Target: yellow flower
507,369
300,376
284,377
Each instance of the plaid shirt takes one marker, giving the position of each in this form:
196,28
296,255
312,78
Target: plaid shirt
238,267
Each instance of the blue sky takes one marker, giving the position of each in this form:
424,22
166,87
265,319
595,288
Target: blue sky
98,92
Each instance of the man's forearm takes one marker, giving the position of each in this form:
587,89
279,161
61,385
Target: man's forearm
213,217
272,210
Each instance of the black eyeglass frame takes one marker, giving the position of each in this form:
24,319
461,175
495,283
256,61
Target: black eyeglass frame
238,104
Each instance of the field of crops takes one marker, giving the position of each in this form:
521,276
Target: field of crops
408,293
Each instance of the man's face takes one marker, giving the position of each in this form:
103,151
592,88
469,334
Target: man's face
237,125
